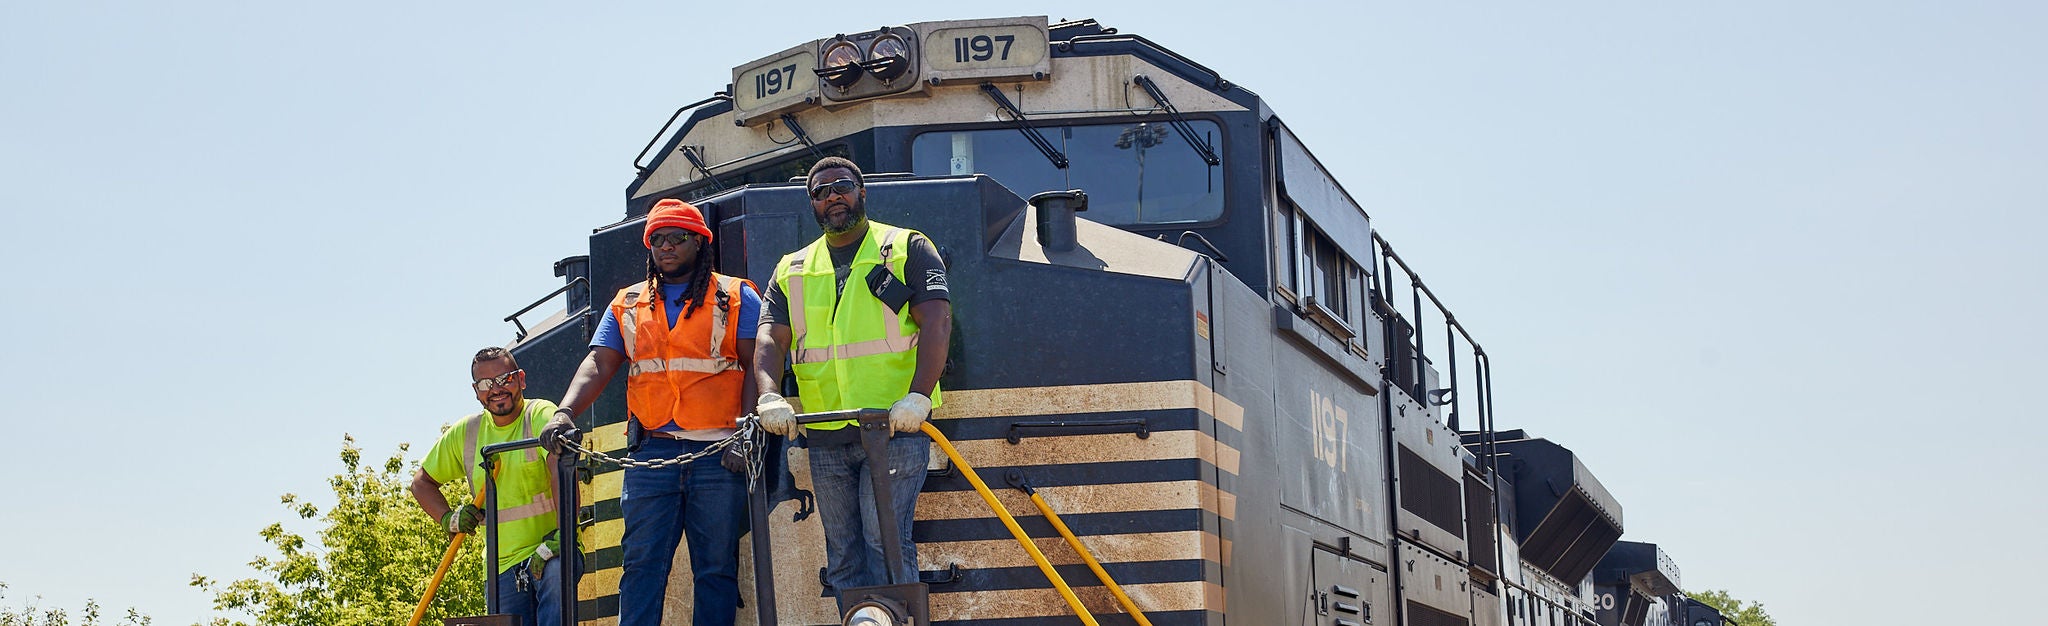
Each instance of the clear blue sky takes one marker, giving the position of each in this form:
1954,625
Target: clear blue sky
1768,267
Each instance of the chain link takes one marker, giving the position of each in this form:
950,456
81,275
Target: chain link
745,432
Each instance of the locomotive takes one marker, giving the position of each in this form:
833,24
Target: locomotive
1197,349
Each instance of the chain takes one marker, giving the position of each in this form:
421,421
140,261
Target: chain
745,432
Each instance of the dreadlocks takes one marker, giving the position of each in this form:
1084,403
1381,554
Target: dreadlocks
700,277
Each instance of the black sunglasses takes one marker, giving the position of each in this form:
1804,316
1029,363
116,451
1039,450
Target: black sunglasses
843,186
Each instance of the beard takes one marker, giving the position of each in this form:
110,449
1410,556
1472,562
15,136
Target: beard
857,211
682,272
512,409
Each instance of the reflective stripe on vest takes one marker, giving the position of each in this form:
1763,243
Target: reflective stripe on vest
544,502
697,357
848,349
472,424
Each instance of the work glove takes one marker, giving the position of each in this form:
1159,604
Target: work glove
549,548
462,519
909,413
558,429
776,414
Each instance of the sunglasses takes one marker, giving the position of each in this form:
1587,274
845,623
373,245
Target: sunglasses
487,384
843,186
671,239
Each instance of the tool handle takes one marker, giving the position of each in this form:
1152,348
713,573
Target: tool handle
434,584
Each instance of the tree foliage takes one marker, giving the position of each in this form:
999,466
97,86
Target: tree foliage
1744,613
32,614
375,553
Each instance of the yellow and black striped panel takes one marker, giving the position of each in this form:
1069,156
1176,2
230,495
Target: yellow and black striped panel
598,593
1158,512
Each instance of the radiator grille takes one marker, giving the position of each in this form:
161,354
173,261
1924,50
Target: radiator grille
1430,494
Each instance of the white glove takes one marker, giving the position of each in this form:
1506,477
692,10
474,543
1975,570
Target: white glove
908,414
775,413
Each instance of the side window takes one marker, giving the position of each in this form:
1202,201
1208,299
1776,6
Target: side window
1327,280
1298,245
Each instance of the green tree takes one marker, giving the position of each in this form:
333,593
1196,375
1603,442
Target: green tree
31,614
1744,613
375,554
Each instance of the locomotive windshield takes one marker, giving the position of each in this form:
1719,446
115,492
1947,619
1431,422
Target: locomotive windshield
1135,173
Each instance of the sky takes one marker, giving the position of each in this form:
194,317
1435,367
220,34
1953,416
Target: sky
1767,267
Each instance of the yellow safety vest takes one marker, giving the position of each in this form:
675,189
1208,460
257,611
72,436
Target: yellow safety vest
850,351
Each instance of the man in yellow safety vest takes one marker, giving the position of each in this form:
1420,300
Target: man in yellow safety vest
527,566
864,315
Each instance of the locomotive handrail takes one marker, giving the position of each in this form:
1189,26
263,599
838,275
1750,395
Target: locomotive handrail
1489,442
1017,532
514,317
565,521
839,416
1142,429
1416,280
1106,37
1218,253
1017,480
715,97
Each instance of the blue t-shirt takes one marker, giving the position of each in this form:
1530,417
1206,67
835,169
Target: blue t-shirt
750,316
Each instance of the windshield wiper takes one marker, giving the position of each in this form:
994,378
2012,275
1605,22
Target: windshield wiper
697,160
1179,122
789,120
1024,126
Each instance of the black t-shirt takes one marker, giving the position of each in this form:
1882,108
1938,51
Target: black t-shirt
923,271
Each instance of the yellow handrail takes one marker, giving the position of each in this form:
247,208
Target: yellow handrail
1011,522
1089,558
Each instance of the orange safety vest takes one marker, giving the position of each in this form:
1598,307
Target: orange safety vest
690,374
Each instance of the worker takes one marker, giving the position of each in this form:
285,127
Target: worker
868,308
686,337
529,548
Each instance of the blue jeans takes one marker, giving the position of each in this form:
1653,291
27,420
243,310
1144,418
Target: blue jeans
853,544
701,500
541,603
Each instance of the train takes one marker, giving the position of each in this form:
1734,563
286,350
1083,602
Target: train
1171,321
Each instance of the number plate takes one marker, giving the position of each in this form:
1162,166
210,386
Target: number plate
987,49
775,84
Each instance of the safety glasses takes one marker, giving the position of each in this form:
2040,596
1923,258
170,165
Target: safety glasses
487,384
671,239
843,186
